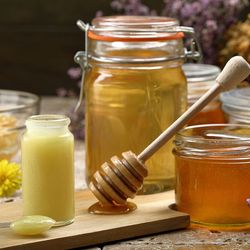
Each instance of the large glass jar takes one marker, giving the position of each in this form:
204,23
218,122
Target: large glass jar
134,89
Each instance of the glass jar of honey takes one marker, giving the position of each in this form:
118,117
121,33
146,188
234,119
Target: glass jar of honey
200,78
134,89
236,105
213,174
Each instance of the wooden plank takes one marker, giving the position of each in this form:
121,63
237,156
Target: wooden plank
152,216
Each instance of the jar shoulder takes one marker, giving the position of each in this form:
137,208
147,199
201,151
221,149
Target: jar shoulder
99,75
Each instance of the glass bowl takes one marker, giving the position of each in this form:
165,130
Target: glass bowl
15,108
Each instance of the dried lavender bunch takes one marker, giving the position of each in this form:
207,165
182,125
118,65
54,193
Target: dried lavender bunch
132,7
210,18
237,40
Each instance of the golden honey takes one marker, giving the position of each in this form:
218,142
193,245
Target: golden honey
134,89
127,110
210,114
212,175
98,208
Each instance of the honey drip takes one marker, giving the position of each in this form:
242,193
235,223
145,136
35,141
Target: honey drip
98,208
115,182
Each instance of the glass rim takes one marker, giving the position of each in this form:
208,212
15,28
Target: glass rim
125,22
196,72
216,138
221,145
48,120
134,29
236,98
35,100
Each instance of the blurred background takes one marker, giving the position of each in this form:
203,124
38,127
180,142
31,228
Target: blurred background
38,39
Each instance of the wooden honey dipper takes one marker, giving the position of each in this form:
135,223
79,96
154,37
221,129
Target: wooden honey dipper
121,179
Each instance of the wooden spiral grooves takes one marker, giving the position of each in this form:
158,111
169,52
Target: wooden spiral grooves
119,180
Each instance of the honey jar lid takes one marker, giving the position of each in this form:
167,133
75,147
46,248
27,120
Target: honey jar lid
134,28
200,72
200,78
237,98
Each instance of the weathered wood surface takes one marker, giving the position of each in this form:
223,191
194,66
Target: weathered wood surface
187,240
151,216
199,239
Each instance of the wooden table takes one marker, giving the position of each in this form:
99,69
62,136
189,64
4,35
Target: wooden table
195,239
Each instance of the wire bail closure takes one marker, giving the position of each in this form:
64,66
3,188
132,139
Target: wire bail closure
82,57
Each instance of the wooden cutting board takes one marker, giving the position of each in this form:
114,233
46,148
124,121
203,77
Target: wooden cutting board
152,216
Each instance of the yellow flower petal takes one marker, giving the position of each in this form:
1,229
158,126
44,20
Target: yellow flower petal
10,178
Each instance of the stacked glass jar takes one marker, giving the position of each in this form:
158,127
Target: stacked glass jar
200,78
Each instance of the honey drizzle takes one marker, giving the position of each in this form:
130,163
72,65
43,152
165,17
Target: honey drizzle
98,208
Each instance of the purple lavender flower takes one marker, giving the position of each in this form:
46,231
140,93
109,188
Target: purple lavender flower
132,7
62,92
210,18
74,72
197,7
248,201
99,13
77,125
186,11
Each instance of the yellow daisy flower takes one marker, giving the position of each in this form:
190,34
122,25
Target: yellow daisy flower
10,178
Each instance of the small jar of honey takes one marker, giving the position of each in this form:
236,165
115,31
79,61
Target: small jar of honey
213,175
236,105
134,89
200,78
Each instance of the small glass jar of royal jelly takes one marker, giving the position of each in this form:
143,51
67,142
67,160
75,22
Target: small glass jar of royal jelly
236,105
134,89
213,175
48,168
200,78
